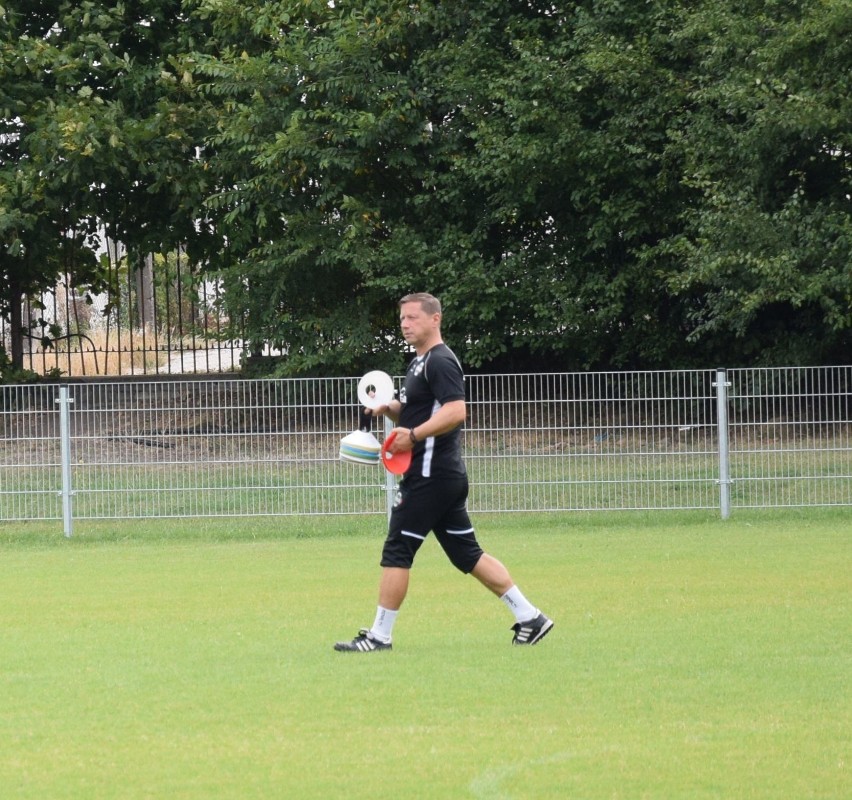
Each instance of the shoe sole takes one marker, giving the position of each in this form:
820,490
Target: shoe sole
343,647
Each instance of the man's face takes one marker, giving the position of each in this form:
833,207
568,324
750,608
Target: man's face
417,326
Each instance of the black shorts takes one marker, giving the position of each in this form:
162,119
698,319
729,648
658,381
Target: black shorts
431,504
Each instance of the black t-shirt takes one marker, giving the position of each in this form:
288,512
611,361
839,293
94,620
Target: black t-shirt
433,379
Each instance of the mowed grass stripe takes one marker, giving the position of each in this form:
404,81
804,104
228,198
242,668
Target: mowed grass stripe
691,658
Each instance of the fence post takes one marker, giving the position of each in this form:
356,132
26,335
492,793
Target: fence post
64,402
724,481
390,479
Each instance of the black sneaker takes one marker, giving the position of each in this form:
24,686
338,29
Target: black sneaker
533,631
362,643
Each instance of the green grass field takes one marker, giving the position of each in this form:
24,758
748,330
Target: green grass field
691,658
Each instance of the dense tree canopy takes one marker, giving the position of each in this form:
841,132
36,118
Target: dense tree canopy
586,185
98,131
766,248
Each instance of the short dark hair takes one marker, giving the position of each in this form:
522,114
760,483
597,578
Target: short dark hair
429,303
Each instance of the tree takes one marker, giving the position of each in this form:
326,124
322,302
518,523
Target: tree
375,150
310,148
593,184
586,185
42,235
99,129
766,248
560,118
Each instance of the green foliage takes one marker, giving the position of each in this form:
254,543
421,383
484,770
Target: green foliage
594,186
98,133
766,249
586,185
12,375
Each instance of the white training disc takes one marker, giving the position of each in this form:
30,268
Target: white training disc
377,383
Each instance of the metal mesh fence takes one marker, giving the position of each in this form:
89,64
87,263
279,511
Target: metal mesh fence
209,448
791,436
30,458
549,442
592,441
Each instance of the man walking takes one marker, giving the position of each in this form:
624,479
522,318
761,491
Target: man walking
432,495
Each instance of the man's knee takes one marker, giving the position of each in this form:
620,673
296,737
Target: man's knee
399,550
464,552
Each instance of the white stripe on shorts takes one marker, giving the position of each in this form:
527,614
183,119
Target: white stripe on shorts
413,535
460,533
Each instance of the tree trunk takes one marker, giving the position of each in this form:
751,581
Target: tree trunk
16,327
145,292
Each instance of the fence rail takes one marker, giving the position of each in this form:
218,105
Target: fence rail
706,439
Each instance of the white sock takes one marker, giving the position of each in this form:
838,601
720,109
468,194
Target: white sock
383,625
519,605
